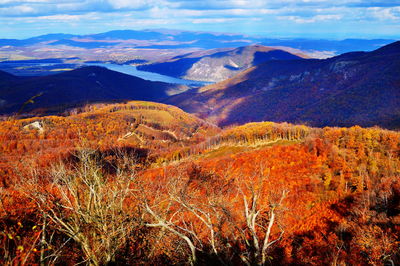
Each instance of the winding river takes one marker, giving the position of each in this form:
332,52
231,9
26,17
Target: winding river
133,71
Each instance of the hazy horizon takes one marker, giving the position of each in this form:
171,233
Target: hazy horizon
276,36
318,19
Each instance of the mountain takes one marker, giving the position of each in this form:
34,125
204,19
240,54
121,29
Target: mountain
355,88
127,35
218,64
135,123
87,45
6,78
157,39
70,88
49,37
175,39
36,40
335,46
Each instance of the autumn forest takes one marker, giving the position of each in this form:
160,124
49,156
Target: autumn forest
142,183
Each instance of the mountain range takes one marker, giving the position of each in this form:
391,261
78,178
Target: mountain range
269,165
264,84
354,88
175,39
218,64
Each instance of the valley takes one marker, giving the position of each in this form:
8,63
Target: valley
169,147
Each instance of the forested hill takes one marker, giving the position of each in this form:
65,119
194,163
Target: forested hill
359,88
58,92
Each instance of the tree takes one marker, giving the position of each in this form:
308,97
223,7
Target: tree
260,207
192,207
89,206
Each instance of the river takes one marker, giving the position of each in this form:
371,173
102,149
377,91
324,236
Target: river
133,71
44,69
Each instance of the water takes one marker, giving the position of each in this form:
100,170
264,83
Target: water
44,69
133,71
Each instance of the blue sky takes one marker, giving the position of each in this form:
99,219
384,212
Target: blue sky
334,19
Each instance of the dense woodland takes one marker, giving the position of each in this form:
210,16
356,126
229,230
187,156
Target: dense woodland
145,183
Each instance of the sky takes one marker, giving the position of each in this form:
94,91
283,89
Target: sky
329,19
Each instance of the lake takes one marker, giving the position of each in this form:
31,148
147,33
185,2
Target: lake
47,68
133,71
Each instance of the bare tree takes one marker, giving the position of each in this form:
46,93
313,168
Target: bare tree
195,214
88,205
260,209
189,213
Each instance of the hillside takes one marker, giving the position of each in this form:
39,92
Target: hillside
355,88
219,64
168,178
6,77
146,125
73,88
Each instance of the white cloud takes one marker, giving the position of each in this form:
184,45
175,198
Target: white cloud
317,18
380,13
120,4
17,10
61,18
238,14
24,9
2,2
212,20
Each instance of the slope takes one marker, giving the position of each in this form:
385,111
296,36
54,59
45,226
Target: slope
80,86
6,78
310,190
354,88
218,64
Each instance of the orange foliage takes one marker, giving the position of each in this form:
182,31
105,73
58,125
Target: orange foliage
341,185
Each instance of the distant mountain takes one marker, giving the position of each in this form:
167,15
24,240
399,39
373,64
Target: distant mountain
127,35
12,42
218,64
355,88
164,39
35,61
87,45
50,37
80,86
336,46
36,40
174,39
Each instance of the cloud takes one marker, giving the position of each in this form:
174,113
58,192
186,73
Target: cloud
62,18
317,18
212,20
380,13
375,3
51,7
249,15
131,4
